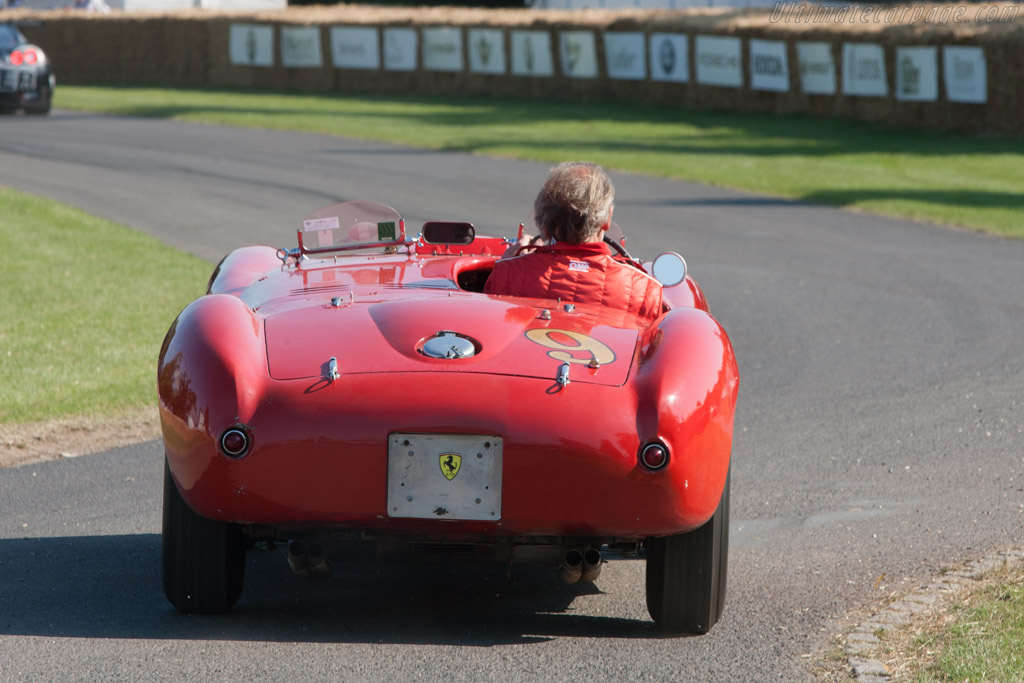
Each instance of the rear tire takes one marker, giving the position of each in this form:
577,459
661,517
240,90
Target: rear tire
43,105
686,574
203,560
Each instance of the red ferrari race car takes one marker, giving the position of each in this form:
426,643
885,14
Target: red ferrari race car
360,397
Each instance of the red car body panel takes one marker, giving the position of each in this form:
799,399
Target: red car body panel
254,353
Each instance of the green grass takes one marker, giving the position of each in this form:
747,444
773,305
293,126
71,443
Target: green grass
965,180
85,307
986,639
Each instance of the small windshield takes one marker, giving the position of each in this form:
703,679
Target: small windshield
350,225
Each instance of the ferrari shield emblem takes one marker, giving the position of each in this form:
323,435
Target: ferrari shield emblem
450,465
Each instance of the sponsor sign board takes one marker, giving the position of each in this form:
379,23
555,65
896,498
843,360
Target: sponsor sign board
769,66
487,50
624,55
442,48
531,54
817,68
864,70
355,47
963,70
670,57
300,47
400,49
578,54
718,61
251,45
917,74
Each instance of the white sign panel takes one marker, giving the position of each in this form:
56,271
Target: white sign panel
251,45
670,57
769,66
442,48
300,47
817,68
917,74
864,70
355,47
487,50
400,49
963,70
718,61
578,53
531,54
624,56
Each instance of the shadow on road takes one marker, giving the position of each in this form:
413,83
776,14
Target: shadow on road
109,587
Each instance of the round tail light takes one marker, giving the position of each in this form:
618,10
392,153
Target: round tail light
235,442
17,58
654,456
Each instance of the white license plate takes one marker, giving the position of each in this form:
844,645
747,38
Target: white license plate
444,476
17,80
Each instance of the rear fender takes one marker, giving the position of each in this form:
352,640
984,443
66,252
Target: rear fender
687,385
211,374
241,268
687,294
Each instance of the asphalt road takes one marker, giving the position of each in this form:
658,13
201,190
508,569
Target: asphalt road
878,439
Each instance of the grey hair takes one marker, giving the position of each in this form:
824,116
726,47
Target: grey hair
574,202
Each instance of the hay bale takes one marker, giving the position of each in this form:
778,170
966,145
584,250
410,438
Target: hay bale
192,48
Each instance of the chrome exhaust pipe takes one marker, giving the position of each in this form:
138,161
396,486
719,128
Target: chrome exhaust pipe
308,561
298,559
572,566
316,557
591,565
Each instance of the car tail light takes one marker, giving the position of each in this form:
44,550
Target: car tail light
236,441
26,57
654,456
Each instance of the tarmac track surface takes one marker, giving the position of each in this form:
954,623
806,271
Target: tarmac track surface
878,438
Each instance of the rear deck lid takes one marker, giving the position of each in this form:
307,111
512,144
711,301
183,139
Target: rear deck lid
498,336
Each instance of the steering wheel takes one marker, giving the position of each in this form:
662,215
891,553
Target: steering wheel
617,246
535,241
621,251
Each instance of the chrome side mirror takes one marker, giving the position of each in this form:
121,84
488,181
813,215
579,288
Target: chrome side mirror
669,269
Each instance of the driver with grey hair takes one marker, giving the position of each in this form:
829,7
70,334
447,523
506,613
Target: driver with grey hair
573,210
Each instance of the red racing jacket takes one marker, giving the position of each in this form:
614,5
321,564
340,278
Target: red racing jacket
578,273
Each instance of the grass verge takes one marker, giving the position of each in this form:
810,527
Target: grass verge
986,641
965,180
85,307
979,636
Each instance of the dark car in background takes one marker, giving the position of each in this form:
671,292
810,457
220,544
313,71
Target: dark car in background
26,77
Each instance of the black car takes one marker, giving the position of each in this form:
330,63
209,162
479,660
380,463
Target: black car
26,78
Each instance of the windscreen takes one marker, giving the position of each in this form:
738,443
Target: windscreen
350,225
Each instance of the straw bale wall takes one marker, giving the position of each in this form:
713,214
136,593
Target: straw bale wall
195,48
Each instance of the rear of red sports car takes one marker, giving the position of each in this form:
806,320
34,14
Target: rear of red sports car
369,406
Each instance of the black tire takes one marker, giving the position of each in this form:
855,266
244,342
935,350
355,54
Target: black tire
686,574
43,104
203,560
